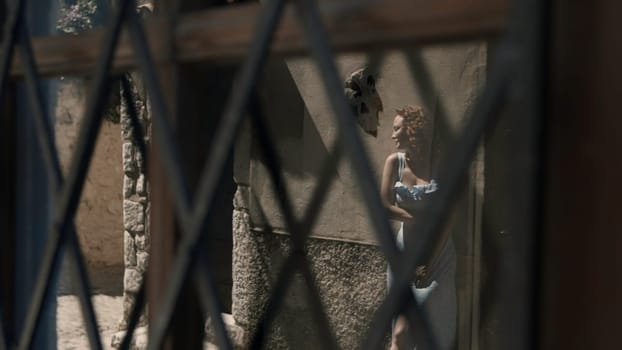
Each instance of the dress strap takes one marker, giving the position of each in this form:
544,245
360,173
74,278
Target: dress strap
400,165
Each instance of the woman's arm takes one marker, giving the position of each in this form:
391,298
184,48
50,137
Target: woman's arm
389,175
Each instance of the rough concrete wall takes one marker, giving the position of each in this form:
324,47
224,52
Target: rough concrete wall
351,280
100,212
136,203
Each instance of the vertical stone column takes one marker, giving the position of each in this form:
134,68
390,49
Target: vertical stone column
136,200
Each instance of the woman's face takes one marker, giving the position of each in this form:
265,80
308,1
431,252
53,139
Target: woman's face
399,132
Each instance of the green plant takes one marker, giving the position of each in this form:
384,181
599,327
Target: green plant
77,17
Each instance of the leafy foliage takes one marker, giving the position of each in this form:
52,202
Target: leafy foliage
77,17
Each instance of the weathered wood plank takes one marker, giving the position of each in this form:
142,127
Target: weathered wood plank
226,33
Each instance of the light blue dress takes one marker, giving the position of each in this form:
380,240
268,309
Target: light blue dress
438,299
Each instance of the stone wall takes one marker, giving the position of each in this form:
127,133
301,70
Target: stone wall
136,204
351,280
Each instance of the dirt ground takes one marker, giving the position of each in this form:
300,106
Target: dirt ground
107,287
107,296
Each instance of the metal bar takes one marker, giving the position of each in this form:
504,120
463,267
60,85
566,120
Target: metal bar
164,140
138,134
352,143
327,174
168,152
316,35
202,275
420,73
236,107
209,300
44,129
216,159
45,137
181,195
227,33
137,131
4,297
277,294
7,179
298,237
139,303
84,291
288,268
164,223
422,78
50,157
3,338
69,196
8,44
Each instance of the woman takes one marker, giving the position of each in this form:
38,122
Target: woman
404,193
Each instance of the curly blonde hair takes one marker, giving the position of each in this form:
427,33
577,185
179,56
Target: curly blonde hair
414,121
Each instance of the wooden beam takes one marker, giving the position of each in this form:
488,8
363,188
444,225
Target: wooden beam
162,218
226,33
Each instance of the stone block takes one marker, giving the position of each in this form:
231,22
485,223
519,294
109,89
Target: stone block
139,340
132,280
140,185
129,165
142,243
133,216
142,259
128,303
139,160
237,335
129,250
128,186
241,198
126,127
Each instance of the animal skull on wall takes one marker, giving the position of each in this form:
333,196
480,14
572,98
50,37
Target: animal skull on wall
360,89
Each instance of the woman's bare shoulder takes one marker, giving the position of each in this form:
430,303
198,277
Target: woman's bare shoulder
392,159
391,164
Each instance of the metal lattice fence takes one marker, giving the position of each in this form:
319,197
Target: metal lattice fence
516,50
